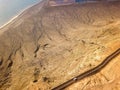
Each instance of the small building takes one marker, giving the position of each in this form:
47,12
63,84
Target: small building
60,2
79,1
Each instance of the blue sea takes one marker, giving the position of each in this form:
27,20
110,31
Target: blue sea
10,8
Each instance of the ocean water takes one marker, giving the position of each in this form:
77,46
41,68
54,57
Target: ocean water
10,8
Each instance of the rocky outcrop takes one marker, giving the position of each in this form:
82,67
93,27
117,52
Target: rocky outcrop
106,79
46,46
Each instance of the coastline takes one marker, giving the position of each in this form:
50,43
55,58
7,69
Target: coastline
18,14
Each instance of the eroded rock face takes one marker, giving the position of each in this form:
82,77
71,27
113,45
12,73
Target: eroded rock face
106,79
46,46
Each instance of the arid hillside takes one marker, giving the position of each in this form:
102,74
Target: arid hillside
48,45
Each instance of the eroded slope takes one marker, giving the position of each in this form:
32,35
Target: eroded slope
46,46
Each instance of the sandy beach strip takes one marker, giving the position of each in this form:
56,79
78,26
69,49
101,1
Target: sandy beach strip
18,14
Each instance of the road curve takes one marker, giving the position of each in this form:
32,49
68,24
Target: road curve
89,72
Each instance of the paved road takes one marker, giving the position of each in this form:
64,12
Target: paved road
89,72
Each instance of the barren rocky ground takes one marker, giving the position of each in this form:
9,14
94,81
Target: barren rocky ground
46,46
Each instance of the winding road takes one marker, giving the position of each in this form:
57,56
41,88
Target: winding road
89,72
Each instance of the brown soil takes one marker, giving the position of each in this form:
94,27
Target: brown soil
46,46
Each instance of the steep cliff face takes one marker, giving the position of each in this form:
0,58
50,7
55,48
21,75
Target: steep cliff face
46,45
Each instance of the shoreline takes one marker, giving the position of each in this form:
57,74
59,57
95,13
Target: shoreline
18,14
